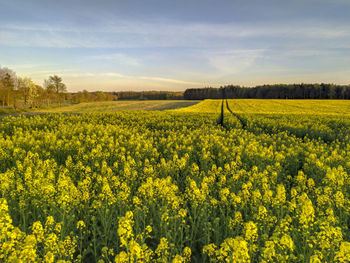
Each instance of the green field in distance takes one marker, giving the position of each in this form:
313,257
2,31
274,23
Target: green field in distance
114,106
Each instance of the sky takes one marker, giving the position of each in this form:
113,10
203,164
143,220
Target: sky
114,45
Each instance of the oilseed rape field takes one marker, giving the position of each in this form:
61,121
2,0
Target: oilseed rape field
219,181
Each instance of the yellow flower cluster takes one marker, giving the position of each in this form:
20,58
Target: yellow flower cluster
17,246
136,250
231,250
176,186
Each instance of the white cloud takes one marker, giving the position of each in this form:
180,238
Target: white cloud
233,61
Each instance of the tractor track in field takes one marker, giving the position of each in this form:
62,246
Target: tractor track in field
241,120
221,118
224,103
303,137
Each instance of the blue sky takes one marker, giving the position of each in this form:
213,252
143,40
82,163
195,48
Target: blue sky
173,45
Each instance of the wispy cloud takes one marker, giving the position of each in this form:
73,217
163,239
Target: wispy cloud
24,66
116,81
119,58
126,34
134,77
233,61
158,46
176,81
113,74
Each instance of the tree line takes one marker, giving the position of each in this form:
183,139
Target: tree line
19,92
16,91
277,91
88,96
84,96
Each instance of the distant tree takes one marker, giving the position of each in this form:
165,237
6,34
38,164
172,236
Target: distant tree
50,92
332,92
2,94
55,89
68,96
57,84
24,87
7,86
343,92
40,99
32,92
